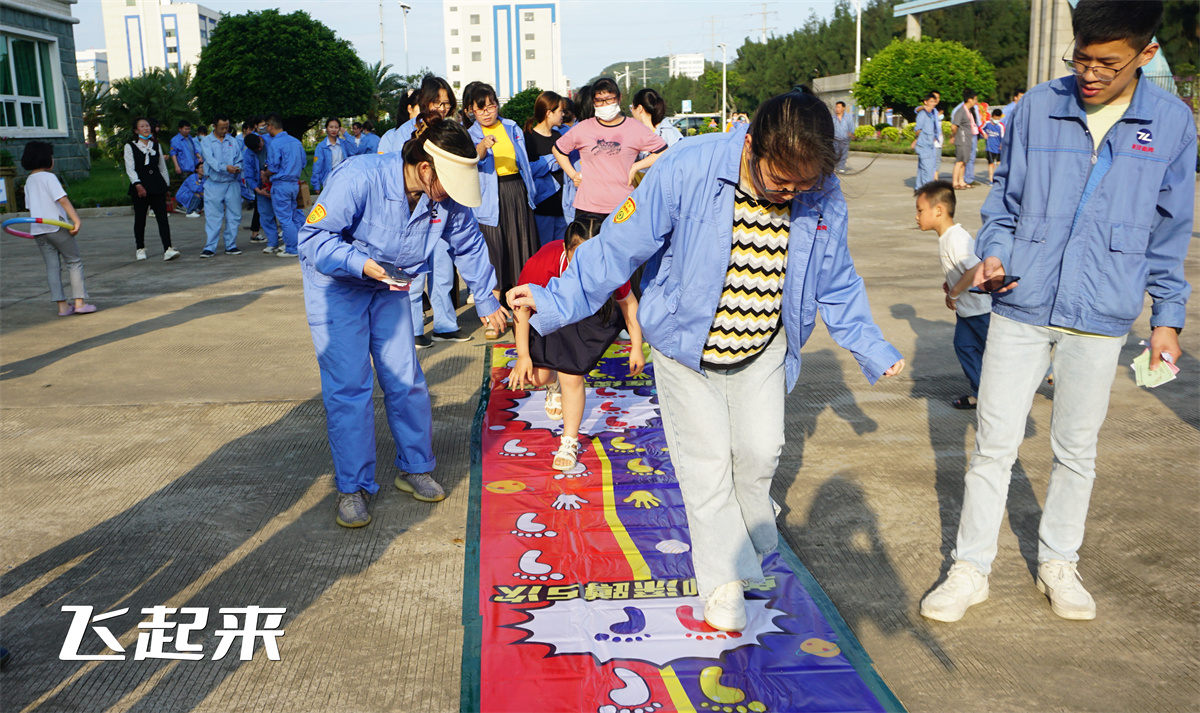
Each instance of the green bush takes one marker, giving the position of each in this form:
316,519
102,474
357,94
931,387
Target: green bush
947,131
881,126
890,133
908,133
864,133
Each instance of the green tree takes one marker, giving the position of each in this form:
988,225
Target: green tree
156,94
386,89
997,30
264,62
905,71
1180,37
521,106
92,94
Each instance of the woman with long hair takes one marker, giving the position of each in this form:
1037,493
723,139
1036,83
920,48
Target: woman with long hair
541,131
650,108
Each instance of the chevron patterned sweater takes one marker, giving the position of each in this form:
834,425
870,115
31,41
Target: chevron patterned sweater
748,314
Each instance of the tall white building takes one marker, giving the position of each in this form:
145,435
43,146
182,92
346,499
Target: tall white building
92,64
508,45
141,34
686,65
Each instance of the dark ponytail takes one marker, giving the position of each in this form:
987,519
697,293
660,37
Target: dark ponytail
652,103
794,131
445,133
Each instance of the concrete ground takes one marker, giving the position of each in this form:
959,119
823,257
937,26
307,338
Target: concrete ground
170,450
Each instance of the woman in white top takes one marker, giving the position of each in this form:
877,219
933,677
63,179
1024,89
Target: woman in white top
146,167
46,199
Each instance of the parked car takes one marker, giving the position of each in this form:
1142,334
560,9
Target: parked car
687,122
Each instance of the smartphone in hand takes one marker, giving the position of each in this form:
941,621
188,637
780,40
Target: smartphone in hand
991,286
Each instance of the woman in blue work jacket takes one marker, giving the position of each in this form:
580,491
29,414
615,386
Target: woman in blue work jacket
727,324
332,150
378,221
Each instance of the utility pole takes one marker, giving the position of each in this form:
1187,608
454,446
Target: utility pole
643,72
712,36
381,33
764,12
722,44
405,7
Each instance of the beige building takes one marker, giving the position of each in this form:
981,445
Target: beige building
511,46
141,34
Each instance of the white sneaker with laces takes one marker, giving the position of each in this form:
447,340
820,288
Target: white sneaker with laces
1060,582
141,254
725,608
965,586
170,254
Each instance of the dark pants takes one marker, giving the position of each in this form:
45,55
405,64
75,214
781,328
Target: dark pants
157,201
255,225
970,337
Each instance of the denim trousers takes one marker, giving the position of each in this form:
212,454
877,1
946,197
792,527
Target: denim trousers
1014,365
970,338
724,429
57,248
222,201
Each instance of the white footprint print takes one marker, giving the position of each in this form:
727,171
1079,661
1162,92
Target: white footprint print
526,527
533,570
514,449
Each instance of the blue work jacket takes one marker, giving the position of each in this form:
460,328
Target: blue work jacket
217,155
394,139
323,160
679,222
368,143
488,212
1089,231
249,175
285,158
363,213
568,186
183,148
843,128
929,127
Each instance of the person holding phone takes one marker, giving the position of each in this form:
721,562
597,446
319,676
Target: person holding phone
378,222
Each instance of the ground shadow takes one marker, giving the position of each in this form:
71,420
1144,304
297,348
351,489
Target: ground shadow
937,378
840,544
183,315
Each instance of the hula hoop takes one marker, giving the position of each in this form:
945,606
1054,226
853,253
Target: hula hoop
19,221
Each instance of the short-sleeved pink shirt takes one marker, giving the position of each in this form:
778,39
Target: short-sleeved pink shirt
606,154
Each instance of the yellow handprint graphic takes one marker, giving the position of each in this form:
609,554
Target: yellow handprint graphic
642,499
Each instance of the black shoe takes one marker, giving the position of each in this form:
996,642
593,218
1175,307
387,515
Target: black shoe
233,251
423,341
965,403
207,253
257,239
455,336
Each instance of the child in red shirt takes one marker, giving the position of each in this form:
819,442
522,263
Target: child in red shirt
561,360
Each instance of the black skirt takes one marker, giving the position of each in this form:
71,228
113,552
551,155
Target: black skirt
511,243
576,348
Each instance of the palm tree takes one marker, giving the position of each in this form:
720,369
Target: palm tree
157,94
94,94
385,90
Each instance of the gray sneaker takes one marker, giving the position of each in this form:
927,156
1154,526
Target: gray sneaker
422,487
352,509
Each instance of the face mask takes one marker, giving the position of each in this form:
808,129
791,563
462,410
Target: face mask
144,136
608,113
262,129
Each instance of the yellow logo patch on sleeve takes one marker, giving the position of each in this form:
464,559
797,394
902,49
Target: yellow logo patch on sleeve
317,214
626,210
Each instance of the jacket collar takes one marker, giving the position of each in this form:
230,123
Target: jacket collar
393,178
730,166
1068,105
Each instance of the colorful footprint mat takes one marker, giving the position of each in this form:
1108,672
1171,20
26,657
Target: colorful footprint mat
580,593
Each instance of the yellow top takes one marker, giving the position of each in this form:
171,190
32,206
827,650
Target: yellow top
1101,117
503,150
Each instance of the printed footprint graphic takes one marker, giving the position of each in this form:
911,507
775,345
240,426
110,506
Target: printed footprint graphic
526,527
700,628
514,449
579,470
725,697
629,629
533,570
633,697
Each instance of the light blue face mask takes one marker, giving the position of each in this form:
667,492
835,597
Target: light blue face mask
144,136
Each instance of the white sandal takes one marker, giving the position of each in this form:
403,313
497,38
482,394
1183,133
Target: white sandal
554,402
567,454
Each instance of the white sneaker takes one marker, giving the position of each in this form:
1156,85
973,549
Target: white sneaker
725,608
193,214
141,254
964,587
1061,583
170,254
269,251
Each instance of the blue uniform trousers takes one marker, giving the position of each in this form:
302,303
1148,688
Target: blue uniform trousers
928,161
970,338
969,170
550,228
353,325
222,201
283,200
266,219
445,319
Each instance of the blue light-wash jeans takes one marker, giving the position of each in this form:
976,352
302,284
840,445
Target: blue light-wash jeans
724,430
445,319
1014,365
222,201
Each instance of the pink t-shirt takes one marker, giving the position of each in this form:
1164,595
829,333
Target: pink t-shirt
606,153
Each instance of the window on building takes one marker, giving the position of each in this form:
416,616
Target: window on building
29,96
454,8
529,17
529,54
130,3
474,19
474,38
456,85
530,84
476,56
528,35
455,68
172,50
453,50
454,32
170,33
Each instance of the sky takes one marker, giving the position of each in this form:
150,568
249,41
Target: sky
595,33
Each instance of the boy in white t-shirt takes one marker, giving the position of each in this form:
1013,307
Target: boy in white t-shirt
46,199
956,248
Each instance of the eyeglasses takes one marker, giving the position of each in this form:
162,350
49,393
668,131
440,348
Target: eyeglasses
606,101
775,196
1104,75
487,109
444,106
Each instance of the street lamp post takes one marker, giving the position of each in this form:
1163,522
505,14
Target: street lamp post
723,66
405,7
857,49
